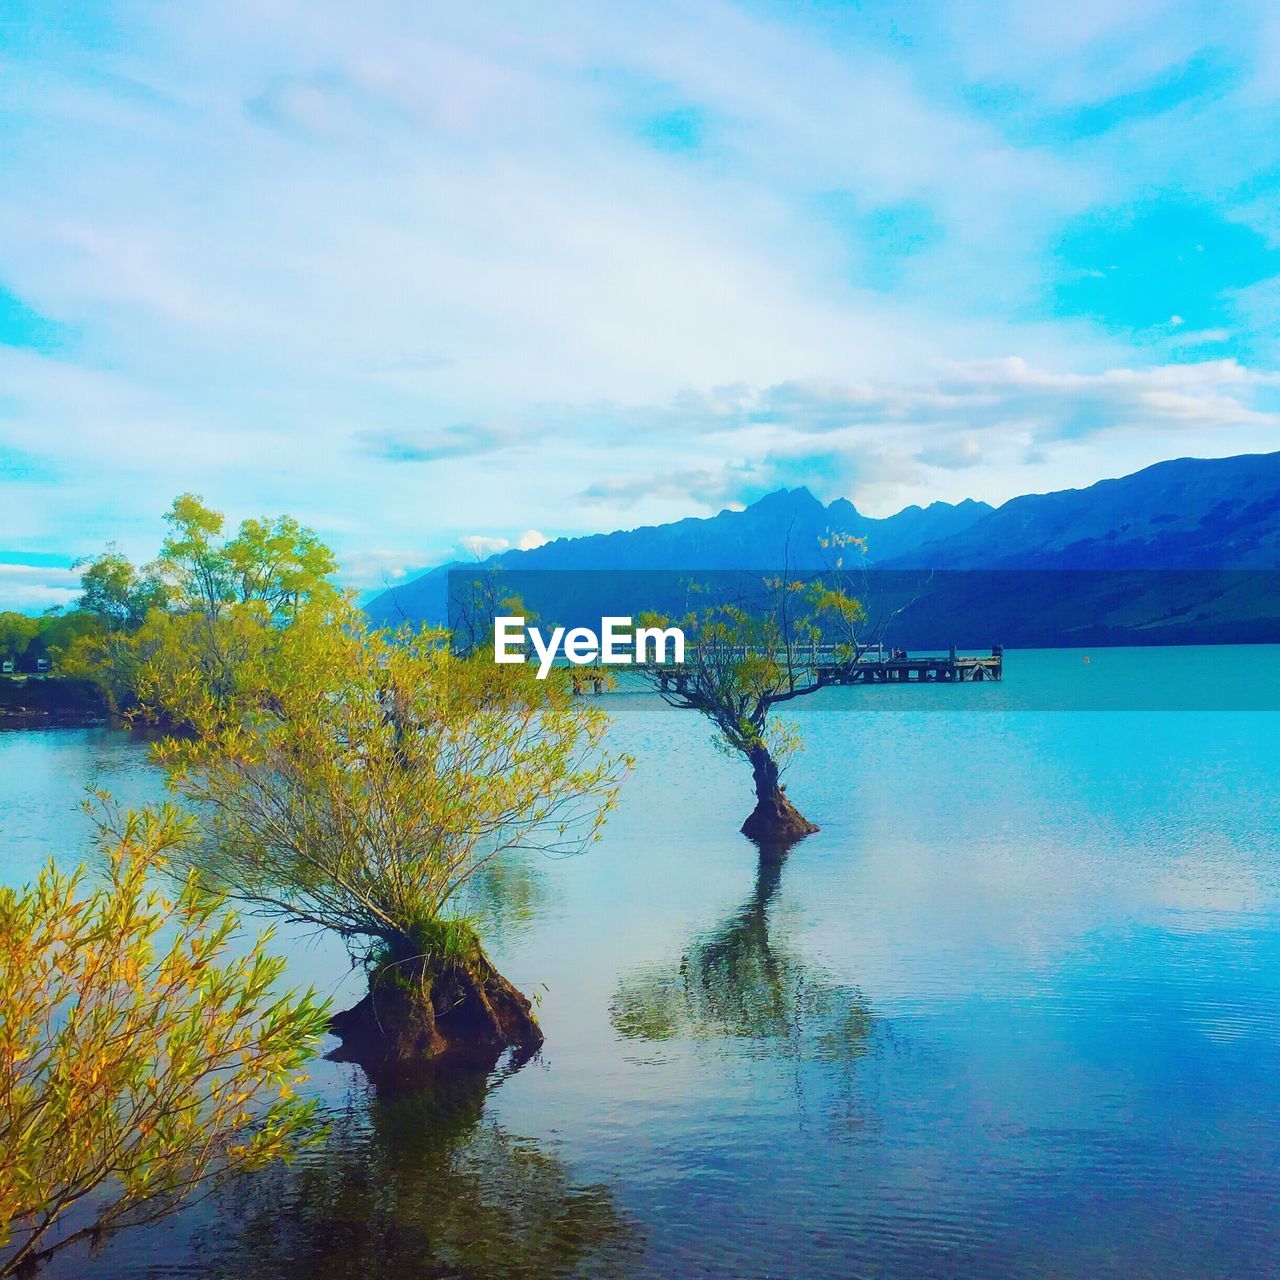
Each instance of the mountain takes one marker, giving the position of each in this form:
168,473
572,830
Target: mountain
786,525
991,572
1191,513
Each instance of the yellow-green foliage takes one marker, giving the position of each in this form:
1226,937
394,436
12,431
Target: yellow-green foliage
358,780
54,631
139,1061
194,601
746,659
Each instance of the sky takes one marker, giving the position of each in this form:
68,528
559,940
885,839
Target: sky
439,279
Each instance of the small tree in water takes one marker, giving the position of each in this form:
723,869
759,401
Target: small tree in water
743,659
358,780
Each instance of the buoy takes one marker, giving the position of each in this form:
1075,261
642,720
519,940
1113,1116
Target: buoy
1086,658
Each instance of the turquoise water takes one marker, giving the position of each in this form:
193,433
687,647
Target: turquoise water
1015,1010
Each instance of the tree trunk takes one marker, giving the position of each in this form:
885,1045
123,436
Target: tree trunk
422,1009
774,819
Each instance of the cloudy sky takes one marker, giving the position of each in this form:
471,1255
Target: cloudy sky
439,278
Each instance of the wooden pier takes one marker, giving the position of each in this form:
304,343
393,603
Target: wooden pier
828,669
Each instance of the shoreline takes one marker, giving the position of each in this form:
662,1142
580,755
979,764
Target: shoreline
41,701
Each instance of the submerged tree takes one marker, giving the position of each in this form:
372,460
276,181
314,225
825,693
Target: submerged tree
358,781
139,1064
748,656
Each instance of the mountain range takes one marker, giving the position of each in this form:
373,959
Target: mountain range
1187,514
1191,513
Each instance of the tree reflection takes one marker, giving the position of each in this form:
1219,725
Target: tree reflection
506,894
740,981
420,1183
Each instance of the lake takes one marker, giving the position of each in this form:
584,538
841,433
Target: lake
1013,1011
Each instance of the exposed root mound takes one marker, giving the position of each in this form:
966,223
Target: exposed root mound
775,820
462,1011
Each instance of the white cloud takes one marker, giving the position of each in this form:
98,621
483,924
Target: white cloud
889,443
479,546
706,486
461,440
364,570
295,246
34,588
953,454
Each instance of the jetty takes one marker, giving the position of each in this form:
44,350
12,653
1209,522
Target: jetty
828,667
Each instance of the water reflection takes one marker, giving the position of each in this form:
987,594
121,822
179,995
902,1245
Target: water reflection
415,1183
507,893
741,981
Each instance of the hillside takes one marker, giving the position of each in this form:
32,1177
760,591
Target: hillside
786,524
1188,514
1191,513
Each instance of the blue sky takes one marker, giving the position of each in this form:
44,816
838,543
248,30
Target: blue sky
443,278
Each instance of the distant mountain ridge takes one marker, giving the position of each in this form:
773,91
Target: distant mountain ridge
787,524
1189,513
787,520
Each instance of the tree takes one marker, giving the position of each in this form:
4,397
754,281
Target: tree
474,604
275,562
60,629
17,630
357,781
198,602
117,593
746,656
139,1064
54,631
